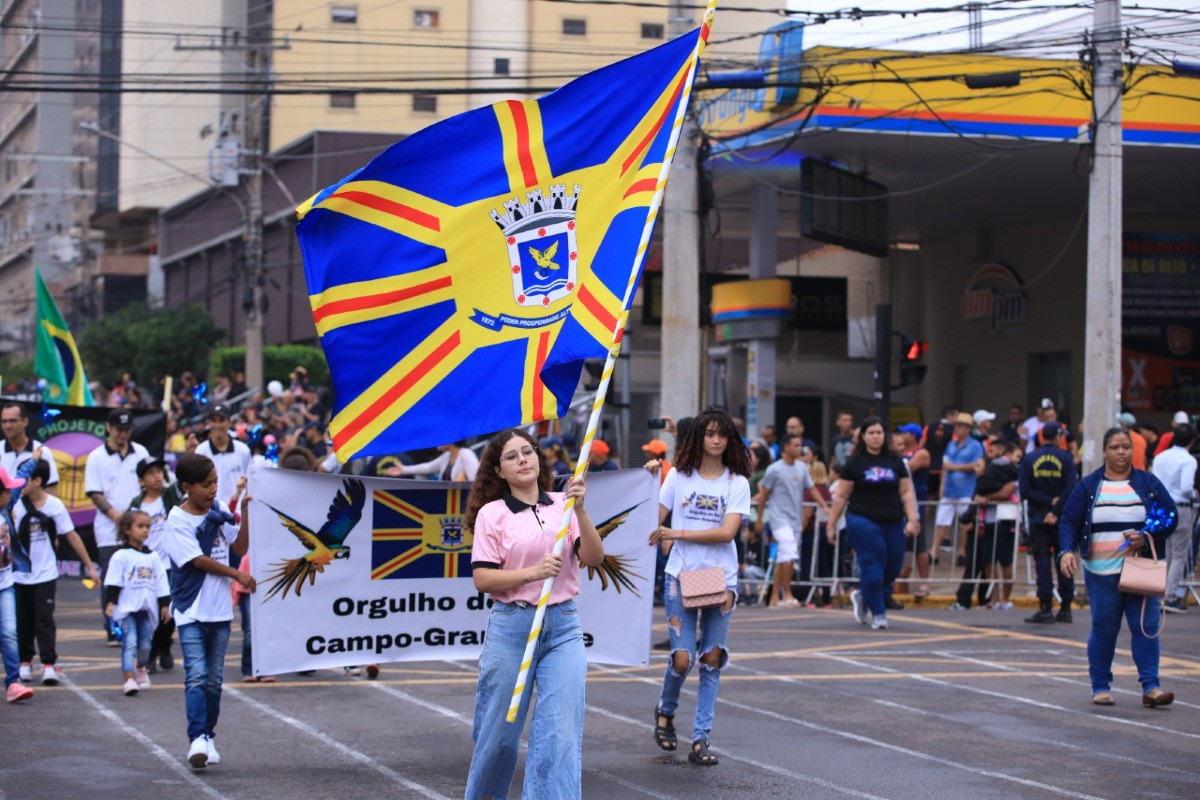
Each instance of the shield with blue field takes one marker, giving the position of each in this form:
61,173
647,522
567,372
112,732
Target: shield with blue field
419,533
542,252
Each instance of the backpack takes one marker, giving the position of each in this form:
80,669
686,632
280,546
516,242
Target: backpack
47,524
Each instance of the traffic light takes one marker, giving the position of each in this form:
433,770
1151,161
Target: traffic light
912,371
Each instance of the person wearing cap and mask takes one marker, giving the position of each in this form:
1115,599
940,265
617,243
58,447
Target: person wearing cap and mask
598,460
983,424
1046,478
1029,430
111,482
229,456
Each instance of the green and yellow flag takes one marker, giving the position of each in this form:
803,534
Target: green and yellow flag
57,359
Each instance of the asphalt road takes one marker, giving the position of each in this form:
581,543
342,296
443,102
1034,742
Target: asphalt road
944,705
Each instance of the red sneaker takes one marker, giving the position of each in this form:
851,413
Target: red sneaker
18,692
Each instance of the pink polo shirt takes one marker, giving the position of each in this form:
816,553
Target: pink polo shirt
520,539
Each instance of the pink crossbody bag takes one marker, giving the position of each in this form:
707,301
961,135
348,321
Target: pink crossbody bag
703,588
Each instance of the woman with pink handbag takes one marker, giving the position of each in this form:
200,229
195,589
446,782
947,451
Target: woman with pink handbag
1116,514
707,495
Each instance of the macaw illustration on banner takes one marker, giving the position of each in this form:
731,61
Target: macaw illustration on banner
373,570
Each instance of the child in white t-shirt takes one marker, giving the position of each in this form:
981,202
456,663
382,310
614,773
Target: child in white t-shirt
200,534
137,593
41,519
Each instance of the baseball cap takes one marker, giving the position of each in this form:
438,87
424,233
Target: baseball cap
1050,431
9,482
1125,418
1047,403
120,418
963,418
600,447
217,410
1180,418
144,466
982,415
656,446
912,429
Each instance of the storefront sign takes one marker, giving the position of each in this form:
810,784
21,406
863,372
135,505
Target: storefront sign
995,293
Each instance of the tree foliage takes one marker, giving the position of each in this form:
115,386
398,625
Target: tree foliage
149,343
278,362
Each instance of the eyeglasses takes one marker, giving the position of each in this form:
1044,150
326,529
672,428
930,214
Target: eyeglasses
512,456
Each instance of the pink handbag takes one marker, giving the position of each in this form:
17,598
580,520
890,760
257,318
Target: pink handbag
702,588
1144,576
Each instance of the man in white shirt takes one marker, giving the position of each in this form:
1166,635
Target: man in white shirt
230,456
1176,468
111,482
1033,425
17,447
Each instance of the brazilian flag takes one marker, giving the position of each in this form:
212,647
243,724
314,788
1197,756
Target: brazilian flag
57,359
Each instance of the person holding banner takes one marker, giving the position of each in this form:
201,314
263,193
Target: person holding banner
514,520
707,496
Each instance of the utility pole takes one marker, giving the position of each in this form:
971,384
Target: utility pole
679,374
1102,344
258,65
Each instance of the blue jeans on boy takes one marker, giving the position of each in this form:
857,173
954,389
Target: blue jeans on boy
880,550
8,636
714,630
138,629
1109,604
203,645
554,762
244,610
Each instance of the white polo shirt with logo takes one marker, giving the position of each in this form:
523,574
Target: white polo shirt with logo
117,479
11,459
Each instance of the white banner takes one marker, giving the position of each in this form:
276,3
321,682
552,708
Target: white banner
357,570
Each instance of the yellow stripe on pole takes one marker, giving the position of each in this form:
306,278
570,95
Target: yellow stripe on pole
613,351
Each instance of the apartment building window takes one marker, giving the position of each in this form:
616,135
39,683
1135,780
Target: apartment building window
500,66
345,15
574,27
424,102
342,99
424,18
652,30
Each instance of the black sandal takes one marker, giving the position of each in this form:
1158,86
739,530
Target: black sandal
664,735
700,754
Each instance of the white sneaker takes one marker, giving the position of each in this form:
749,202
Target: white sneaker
25,671
130,688
198,753
142,677
879,623
213,756
51,675
857,605
1004,606
352,671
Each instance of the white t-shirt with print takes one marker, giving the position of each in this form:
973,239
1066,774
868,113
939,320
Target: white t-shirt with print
214,603
157,512
142,580
699,504
42,557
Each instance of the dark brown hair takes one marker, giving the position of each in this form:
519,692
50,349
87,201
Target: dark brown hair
125,523
488,485
691,446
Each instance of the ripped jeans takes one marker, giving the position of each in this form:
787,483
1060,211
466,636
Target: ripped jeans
714,628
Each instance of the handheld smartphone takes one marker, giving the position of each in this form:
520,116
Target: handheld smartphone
656,423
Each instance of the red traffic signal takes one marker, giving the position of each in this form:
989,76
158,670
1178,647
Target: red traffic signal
913,349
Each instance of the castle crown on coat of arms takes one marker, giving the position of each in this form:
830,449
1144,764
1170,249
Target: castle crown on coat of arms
538,211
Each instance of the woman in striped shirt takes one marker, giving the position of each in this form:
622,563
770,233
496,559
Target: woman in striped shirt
1103,518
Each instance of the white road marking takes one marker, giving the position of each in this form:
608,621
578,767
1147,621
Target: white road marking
176,763
345,750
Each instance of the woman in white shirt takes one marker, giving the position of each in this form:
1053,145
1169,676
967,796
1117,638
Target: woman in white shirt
455,462
707,495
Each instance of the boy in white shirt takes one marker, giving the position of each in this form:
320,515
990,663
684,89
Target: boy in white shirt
41,518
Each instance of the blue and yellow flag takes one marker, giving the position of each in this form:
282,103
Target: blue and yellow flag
419,533
56,358
459,280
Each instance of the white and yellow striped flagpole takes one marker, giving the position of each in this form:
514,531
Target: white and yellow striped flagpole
613,351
